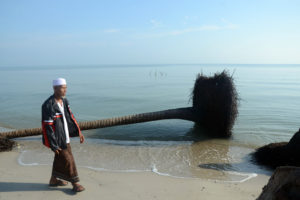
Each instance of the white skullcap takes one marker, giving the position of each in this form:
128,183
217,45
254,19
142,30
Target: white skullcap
59,81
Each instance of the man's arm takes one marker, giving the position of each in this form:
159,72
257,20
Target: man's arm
47,126
72,116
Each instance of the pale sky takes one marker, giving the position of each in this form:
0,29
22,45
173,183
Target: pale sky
70,32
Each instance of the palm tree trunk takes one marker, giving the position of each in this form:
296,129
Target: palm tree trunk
177,113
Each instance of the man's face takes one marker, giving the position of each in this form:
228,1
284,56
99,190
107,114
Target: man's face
60,90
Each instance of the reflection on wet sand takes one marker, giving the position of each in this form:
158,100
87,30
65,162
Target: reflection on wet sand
220,159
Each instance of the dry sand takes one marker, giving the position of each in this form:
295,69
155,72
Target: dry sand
31,182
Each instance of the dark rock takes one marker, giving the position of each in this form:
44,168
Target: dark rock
6,144
279,154
283,185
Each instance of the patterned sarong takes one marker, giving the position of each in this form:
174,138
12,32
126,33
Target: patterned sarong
64,165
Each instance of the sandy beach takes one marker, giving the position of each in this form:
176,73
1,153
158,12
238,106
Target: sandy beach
31,182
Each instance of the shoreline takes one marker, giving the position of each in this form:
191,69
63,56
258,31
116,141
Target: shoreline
31,182
154,170
210,160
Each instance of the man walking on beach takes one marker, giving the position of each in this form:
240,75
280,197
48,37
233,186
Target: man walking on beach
58,125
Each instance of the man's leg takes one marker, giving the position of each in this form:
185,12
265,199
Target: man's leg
64,167
53,180
75,181
77,187
56,182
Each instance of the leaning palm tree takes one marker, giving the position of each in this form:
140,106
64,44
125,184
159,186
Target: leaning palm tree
214,108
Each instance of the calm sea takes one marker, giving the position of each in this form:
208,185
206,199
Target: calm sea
269,111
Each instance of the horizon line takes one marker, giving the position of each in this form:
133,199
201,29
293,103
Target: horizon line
123,64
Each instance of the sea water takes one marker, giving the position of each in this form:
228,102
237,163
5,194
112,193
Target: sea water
269,110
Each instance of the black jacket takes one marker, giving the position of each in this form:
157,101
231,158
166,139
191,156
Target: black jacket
54,135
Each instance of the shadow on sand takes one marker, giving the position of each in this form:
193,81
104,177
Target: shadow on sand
27,187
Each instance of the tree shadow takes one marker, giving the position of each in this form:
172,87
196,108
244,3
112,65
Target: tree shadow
23,186
199,133
151,132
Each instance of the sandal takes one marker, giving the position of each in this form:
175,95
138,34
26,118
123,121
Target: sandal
58,183
78,188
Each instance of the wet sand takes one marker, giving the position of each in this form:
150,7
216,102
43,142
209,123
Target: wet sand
214,159
31,182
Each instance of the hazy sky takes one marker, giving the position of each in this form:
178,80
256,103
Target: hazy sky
67,32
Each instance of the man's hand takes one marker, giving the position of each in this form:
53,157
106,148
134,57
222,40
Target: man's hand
81,138
57,151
